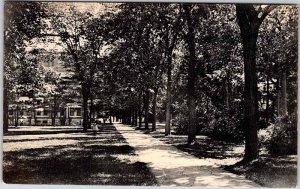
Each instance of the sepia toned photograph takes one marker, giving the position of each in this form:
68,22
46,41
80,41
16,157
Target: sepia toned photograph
150,94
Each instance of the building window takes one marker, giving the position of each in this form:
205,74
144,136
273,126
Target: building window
45,121
78,112
45,112
11,112
38,113
21,113
72,111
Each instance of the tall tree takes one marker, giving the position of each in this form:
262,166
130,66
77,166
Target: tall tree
192,14
23,21
249,20
171,25
82,36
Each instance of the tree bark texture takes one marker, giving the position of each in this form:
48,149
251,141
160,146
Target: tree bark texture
267,101
133,117
249,27
282,95
136,117
5,107
192,76
140,117
170,39
154,107
168,96
17,116
85,114
91,113
146,108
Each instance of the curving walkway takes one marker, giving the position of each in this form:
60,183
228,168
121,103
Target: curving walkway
173,167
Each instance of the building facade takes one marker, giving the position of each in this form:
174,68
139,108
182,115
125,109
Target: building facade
25,112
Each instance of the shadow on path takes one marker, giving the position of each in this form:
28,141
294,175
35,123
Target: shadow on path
173,167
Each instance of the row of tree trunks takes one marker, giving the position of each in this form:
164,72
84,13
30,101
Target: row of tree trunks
135,115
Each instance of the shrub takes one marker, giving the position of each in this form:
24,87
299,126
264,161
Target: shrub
226,127
180,122
283,140
218,125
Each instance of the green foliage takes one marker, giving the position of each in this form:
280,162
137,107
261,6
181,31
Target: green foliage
226,126
117,56
283,140
180,122
217,124
23,21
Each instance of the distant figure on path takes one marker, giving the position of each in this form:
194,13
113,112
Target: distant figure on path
95,127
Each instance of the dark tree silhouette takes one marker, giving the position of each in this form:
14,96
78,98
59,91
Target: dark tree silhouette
249,21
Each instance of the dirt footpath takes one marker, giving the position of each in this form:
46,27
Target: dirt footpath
173,167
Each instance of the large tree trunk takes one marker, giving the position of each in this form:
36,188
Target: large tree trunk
136,117
249,20
282,95
140,116
17,116
227,95
267,101
132,116
52,118
251,106
168,96
170,44
63,117
54,110
192,76
34,116
85,113
249,34
154,106
5,107
146,108
128,117
91,113
110,119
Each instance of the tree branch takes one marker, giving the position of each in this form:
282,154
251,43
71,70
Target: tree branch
266,11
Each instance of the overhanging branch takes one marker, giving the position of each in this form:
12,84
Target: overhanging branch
266,11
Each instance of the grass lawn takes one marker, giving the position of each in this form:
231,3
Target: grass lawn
64,155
